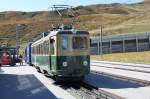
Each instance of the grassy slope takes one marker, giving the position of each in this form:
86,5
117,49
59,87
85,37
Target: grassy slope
115,18
133,57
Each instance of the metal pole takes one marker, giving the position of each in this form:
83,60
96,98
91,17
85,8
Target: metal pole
110,46
123,41
17,36
101,43
98,48
149,39
137,44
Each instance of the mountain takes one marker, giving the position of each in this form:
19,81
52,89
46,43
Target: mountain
115,18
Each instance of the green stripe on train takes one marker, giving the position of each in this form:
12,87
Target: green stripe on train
57,62
45,61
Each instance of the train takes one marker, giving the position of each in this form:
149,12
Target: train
63,54
27,54
8,55
27,51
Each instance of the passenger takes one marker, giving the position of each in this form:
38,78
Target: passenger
0,67
0,61
21,59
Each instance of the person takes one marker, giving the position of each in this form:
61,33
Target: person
0,67
20,59
0,61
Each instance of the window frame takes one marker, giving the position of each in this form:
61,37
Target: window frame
65,38
77,46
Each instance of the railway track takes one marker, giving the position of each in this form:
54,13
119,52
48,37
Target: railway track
129,79
126,64
85,90
82,90
143,71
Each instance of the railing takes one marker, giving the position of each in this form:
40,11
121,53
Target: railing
130,42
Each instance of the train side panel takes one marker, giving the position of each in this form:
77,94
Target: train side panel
29,59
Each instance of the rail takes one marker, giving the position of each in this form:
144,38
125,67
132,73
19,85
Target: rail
143,71
124,64
87,91
103,94
129,79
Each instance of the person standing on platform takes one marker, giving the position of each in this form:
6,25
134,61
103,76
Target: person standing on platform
21,59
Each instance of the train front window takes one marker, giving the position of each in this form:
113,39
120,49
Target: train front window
64,43
79,43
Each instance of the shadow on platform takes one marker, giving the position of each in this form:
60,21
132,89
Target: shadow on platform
23,87
101,81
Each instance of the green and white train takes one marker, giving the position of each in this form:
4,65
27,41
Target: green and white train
64,53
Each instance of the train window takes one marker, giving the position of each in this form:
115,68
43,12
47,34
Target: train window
64,43
44,48
41,49
52,41
38,49
45,44
79,43
34,51
47,48
31,51
52,47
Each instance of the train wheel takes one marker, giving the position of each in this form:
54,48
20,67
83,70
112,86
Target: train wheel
46,73
38,69
56,78
31,65
12,64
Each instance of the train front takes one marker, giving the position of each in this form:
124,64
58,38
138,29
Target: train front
74,54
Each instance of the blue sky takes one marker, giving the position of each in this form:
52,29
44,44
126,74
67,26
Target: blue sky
39,5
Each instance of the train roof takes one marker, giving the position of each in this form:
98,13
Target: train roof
66,29
75,32
63,30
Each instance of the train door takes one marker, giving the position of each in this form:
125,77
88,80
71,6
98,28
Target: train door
53,60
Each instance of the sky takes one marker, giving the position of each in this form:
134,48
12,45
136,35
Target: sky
40,5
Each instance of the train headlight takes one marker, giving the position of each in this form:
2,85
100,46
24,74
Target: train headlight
85,63
65,64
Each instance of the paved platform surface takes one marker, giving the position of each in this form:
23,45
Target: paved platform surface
119,87
24,82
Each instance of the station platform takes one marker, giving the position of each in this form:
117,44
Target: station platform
24,82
